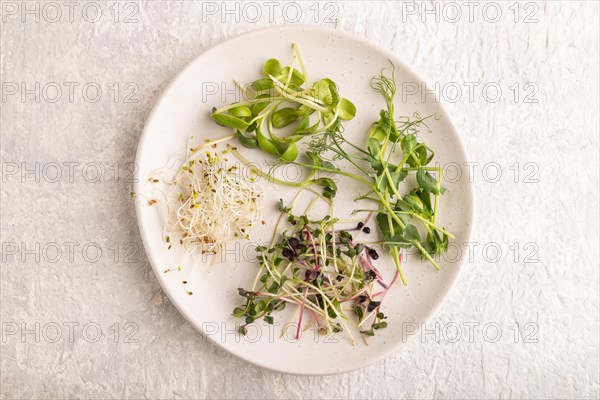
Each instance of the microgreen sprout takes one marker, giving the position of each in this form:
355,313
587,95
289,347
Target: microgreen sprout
320,270
284,98
207,201
391,153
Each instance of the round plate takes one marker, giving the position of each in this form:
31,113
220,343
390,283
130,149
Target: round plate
183,110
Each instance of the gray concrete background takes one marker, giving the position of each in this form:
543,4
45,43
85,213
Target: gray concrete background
76,90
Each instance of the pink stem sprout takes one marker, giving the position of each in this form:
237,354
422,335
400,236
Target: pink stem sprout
301,314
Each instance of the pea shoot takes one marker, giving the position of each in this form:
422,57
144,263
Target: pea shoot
392,152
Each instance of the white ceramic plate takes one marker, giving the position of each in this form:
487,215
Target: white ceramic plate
183,110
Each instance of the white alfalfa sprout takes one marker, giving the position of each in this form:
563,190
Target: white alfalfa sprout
209,203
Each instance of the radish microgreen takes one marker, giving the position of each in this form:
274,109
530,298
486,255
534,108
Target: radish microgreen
323,272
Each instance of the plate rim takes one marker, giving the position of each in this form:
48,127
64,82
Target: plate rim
144,137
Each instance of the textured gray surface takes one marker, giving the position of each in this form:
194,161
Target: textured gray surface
548,211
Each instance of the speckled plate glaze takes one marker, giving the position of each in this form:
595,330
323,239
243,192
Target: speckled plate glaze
183,110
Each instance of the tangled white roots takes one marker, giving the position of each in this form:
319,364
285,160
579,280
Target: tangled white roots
210,204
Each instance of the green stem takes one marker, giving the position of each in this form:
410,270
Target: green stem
339,172
426,255
352,145
210,143
396,256
309,102
435,199
247,102
267,176
429,223
347,158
